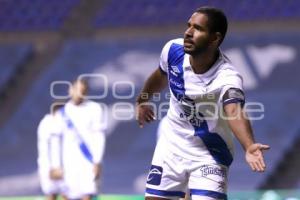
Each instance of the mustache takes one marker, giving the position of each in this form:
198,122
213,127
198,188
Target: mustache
188,40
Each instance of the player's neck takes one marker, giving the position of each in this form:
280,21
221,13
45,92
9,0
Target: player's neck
77,102
201,63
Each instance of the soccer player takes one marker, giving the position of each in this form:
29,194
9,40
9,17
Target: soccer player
83,142
195,148
49,155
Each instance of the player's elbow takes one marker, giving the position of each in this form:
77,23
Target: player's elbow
232,110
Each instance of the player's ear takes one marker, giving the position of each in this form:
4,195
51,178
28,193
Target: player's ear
216,38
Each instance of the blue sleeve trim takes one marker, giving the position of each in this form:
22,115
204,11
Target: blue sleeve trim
213,194
164,193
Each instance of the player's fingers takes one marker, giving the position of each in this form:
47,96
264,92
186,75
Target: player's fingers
255,167
141,125
152,116
151,113
258,167
148,118
262,162
141,122
252,166
264,147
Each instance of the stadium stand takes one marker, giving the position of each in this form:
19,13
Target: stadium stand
37,15
172,12
12,56
286,169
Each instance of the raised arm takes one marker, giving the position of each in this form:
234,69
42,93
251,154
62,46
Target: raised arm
154,84
241,127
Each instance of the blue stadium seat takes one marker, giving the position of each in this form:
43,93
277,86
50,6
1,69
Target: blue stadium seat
172,12
24,15
11,57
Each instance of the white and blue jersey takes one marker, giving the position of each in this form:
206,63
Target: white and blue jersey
83,129
195,147
196,105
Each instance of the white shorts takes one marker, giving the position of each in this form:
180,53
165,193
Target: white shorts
171,175
49,186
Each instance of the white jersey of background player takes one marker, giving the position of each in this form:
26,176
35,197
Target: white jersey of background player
49,155
195,148
83,143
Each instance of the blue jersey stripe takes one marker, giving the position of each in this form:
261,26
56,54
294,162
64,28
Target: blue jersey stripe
82,146
215,144
175,69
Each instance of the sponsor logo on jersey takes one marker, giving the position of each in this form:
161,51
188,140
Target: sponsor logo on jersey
212,170
175,69
154,176
175,83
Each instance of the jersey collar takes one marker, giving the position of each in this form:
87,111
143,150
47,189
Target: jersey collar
208,76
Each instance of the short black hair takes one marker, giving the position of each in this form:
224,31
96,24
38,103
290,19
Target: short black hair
217,20
81,80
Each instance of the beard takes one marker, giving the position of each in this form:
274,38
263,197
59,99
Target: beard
195,51
192,48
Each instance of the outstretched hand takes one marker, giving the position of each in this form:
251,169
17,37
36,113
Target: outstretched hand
144,114
254,156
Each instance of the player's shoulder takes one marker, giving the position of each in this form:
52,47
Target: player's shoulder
227,74
173,50
93,105
48,118
227,68
177,42
46,123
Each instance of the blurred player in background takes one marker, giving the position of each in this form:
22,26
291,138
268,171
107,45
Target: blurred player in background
49,155
83,142
195,148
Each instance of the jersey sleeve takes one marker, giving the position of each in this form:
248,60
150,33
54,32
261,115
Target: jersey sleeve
55,151
49,135
56,142
232,91
163,63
